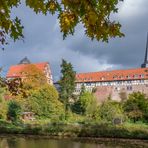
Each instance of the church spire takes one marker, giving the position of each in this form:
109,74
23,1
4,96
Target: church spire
145,64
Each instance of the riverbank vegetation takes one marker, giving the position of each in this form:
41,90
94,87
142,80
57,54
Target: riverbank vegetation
74,130
61,113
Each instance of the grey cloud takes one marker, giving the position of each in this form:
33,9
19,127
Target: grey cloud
43,42
127,51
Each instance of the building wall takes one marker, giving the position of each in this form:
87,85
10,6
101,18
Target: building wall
116,90
120,92
16,71
48,74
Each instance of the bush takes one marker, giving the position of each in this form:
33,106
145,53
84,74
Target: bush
136,107
14,111
110,110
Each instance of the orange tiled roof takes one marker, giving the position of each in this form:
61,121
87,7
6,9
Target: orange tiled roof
129,74
16,70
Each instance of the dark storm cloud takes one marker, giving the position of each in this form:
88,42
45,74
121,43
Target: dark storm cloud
43,42
127,51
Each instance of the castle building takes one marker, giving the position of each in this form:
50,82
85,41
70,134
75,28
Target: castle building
115,84
16,71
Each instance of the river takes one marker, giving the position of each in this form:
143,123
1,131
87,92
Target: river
39,142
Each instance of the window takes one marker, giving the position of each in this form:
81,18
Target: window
129,88
114,77
88,84
135,76
141,81
117,88
119,77
142,76
109,83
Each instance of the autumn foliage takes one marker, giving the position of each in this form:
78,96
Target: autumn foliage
94,15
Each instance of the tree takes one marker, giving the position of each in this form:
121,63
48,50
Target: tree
15,86
109,110
93,14
2,80
85,100
83,89
44,102
136,107
83,104
67,83
14,111
31,78
92,110
3,104
77,106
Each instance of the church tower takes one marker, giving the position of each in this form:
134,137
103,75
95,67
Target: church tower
145,64
25,61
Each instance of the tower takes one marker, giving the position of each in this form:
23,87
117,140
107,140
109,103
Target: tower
145,64
25,61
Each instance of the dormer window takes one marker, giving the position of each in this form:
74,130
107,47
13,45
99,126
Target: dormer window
135,76
102,78
142,76
128,77
114,77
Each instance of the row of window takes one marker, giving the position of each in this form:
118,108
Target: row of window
135,82
129,88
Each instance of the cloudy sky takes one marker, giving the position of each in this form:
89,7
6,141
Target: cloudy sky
44,42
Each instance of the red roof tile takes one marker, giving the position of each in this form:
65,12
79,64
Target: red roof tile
129,74
16,70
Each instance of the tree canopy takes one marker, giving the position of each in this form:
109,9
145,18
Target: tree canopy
136,106
31,78
94,15
67,85
110,110
44,102
67,81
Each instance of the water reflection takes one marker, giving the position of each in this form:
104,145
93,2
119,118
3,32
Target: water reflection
15,142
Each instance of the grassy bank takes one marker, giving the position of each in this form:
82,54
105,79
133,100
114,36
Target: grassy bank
127,130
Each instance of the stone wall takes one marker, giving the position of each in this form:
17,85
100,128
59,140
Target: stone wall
119,92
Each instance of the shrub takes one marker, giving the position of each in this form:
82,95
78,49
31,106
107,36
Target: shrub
136,107
14,111
110,110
